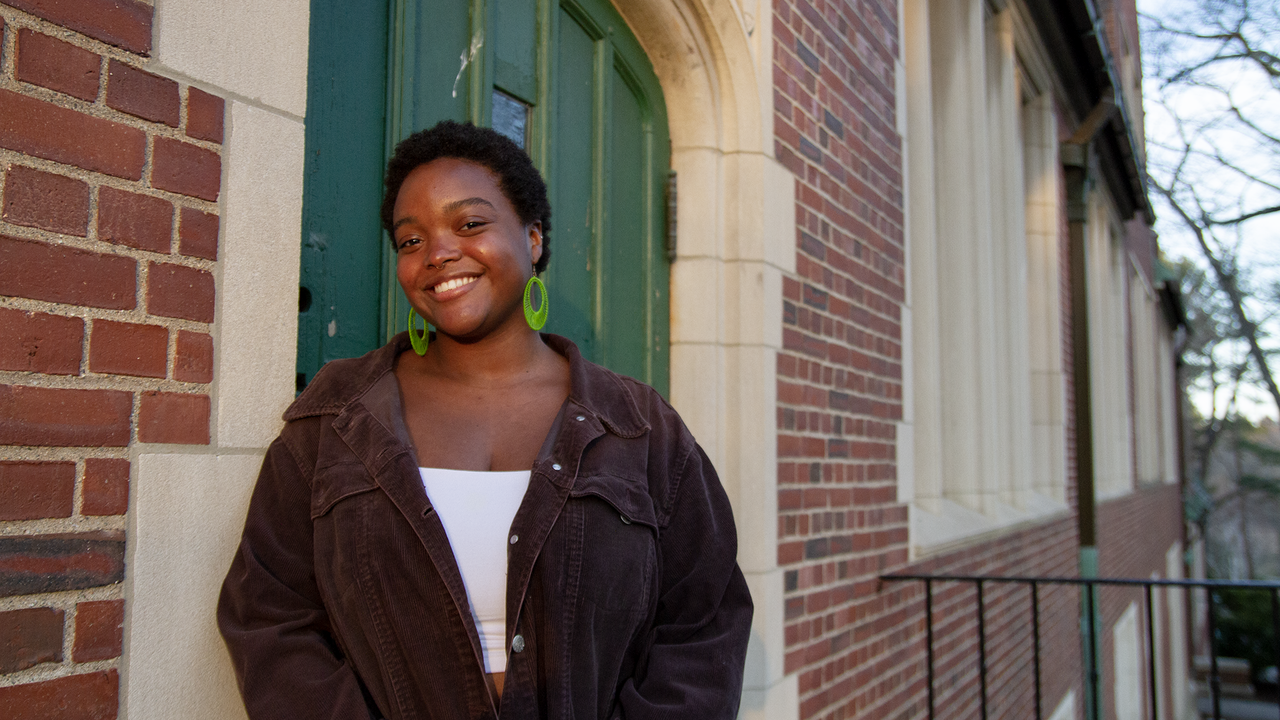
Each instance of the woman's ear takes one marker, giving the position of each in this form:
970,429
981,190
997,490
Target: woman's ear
535,240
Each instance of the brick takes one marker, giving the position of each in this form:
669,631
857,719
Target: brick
32,564
57,273
198,234
91,696
186,169
180,292
31,636
51,63
50,132
36,490
193,361
137,221
204,115
122,23
833,124
99,630
123,348
105,488
807,57
64,417
173,418
141,94
47,201
39,342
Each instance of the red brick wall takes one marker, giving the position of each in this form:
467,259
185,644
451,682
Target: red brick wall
840,370
109,181
857,644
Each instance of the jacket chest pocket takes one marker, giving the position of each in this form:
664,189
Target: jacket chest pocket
341,499
618,544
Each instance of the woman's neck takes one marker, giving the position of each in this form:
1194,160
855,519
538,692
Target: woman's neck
499,359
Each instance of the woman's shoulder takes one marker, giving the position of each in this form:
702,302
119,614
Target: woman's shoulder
628,407
341,381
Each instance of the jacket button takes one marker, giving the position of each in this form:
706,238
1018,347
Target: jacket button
515,539
517,643
624,519
555,466
581,418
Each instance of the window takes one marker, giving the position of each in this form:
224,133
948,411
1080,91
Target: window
1109,356
983,438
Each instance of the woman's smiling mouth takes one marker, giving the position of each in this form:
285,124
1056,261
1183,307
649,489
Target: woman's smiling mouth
455,283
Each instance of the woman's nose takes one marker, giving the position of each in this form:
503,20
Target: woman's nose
442,248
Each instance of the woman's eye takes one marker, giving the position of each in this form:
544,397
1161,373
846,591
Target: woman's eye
473,225
406,242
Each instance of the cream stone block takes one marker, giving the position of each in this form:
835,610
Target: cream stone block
745,197
697,393
766,647
700,191
763,227
750,472
753,304
779,701
1180,685
258,297
1066,709
683,59
908,363
1126,665
256,50
1046,398
187,516
950,523
906,454
779,216
759,27
697,300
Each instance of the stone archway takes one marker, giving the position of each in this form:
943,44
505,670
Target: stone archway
735,240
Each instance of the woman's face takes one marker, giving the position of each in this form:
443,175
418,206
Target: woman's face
462,254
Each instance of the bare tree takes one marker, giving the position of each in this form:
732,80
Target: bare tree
1213,97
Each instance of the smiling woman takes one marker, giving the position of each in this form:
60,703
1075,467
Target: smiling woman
490,521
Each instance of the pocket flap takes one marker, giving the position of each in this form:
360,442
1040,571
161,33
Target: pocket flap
630,498
336,482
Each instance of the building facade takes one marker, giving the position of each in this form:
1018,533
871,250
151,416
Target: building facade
895,271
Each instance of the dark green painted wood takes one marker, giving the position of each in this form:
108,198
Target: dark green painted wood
429,81
342,187
569,280
515,50
624,315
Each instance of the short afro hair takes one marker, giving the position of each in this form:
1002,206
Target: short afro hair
517,177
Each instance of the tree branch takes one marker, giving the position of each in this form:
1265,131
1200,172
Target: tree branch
1226,281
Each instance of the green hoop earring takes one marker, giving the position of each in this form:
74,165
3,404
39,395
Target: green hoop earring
535,319
419,342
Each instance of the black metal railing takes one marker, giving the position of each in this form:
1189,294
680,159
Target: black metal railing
1090,584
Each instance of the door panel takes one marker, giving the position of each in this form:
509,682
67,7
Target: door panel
624,318
341,269
569,280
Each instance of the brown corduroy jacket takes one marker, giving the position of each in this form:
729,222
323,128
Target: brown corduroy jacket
624,597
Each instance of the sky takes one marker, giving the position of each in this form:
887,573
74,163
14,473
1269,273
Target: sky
1259,239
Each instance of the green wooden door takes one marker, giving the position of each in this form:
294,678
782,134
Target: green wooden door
567,80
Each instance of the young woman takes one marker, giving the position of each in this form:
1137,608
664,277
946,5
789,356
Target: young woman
484,522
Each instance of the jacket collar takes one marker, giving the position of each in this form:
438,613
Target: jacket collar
600,391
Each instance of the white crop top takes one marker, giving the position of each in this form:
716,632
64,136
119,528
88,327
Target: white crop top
476,509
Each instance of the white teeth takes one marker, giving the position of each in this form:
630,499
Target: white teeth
454,283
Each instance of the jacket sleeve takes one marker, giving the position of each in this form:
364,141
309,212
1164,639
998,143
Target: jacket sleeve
270,611
698,643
